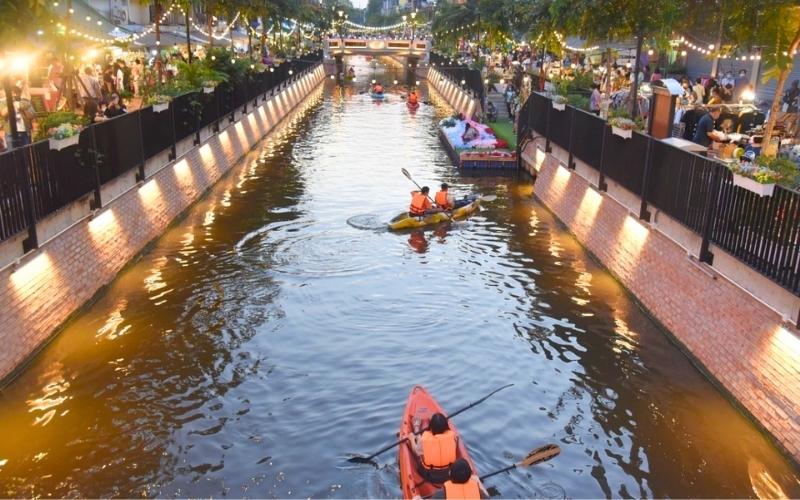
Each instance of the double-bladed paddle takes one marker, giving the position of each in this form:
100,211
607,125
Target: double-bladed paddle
363,460
537,456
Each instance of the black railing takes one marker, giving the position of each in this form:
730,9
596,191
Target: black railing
458,73
762,232
35,181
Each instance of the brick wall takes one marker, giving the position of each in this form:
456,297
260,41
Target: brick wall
53,282
741,343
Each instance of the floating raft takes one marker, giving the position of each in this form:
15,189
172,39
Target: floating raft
497,159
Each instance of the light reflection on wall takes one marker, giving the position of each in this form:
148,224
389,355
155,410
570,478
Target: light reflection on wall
206,154
632,237
780,349
183,173
150,192
560,179
590,204
103,226
36,270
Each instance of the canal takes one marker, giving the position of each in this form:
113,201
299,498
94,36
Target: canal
277,329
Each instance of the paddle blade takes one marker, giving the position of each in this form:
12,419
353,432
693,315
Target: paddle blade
405,172
357,459
540,454
489,197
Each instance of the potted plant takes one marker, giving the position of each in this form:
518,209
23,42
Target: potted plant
60,137
560,102
209,86
622,126
761,176
160,102
65,135
560,99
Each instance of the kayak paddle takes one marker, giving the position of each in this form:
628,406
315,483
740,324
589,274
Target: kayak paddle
364,460
537,456
408,175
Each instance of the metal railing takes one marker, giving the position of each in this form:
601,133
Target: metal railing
698,192
455,73
36,181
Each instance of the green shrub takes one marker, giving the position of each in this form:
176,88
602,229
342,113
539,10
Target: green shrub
193,76
53,120
579,101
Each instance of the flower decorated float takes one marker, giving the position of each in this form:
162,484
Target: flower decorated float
472,144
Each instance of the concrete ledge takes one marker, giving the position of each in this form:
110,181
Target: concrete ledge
728,318
82,251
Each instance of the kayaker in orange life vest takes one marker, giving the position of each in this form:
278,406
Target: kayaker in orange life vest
462,483
437,448
420,203
413,98
443,199
377,88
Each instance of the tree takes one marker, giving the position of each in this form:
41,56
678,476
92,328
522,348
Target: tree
774,26
622,20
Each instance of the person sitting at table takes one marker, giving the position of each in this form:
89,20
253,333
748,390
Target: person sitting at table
705,132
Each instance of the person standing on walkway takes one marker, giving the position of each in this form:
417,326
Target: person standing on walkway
136,75
509,98
595,99
699,91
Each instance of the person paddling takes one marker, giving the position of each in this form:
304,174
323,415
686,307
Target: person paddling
413,98
420,203
377,88
437,447
443,198
462,483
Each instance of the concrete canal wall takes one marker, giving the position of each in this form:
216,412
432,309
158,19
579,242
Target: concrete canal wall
81,252
460,100
733,322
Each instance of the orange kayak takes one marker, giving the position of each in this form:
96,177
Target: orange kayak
421,405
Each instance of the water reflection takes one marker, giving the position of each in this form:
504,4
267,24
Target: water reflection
277,329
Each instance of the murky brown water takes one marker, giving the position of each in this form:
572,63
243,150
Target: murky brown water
263,339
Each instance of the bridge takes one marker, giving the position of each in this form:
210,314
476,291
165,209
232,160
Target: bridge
417,48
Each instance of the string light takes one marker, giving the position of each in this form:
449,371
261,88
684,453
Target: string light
575,49
754,56
224,32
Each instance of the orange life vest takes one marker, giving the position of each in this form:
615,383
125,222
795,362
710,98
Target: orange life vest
412,98
438,450
468,490
419,203
378,89
442,201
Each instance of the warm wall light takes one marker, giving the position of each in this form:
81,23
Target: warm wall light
633,236
102,222
182,171
560,179
149,191
35,270
589,206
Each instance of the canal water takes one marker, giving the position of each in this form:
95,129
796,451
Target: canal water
278,329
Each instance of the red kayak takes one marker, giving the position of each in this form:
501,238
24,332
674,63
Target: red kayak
421,405
412,106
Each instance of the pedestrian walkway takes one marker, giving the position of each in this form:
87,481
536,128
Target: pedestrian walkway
499,102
